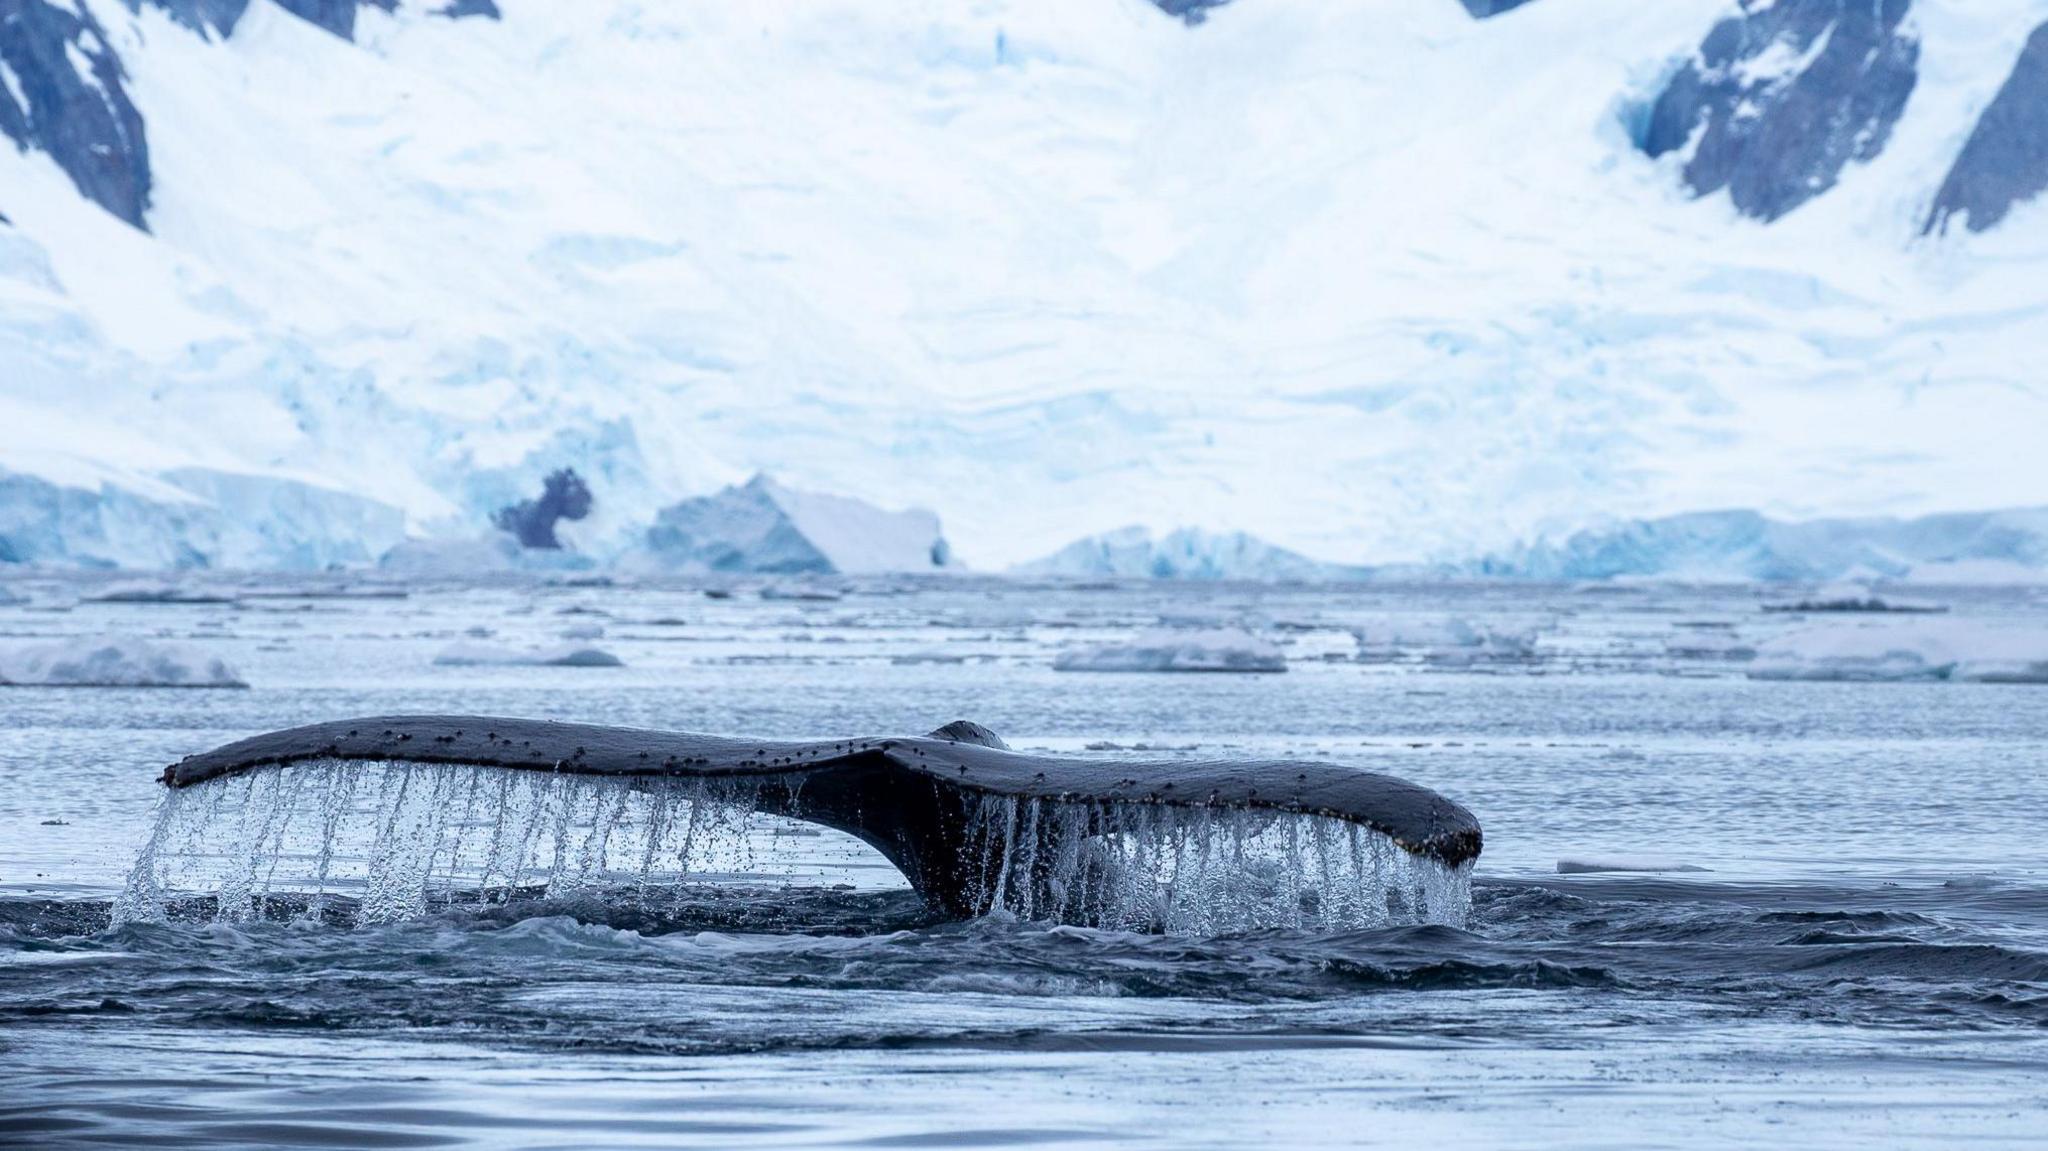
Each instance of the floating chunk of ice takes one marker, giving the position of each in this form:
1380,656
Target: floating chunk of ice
153,591
113,662
1855,598
1590,864
1916,649
1167,649
489,655
1444,640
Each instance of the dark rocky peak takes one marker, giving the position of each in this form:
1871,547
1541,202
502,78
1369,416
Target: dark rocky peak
337,16
63,96
212,18
1783,94
1481,9
2005,160
1190,12
459,9
564,496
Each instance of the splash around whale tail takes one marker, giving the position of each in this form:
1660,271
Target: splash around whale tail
490,804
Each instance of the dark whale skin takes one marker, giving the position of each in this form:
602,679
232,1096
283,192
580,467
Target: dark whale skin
910,798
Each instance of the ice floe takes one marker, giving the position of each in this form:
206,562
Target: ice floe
112,661
492,655
1922,648
1166,649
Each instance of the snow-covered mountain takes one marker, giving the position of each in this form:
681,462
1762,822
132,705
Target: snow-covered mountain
1997,546
1185,553
1386,280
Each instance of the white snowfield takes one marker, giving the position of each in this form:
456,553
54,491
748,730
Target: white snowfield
1921,648
113,661
1172,649
1376,280
491,655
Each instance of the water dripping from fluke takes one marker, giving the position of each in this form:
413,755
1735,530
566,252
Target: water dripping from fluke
398,815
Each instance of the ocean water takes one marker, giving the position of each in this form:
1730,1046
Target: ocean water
1855,955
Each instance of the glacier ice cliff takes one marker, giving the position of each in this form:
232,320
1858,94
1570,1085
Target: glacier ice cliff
1747,545
191,518
1185,553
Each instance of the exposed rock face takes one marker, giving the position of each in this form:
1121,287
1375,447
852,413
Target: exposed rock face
2006,158
1481,9
61,93
337,16
206,17
1191,12
458,9
1782,96
564,496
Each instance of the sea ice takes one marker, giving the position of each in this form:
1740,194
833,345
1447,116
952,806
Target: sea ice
113,662
489,655
1165,649
1917,649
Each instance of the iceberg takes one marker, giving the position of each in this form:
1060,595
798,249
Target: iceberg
1169,649
1593,865
489,655
113,662
155,591
1447,640
1974,651
762,526
1183,554
1855,598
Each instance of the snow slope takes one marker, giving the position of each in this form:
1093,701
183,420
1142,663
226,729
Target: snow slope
1378,280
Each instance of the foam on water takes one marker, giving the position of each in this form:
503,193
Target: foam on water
398,838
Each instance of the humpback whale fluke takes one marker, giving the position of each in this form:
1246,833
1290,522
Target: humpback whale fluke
970,823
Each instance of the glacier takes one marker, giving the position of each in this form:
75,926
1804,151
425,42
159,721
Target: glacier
1745,545
1046,268
191,518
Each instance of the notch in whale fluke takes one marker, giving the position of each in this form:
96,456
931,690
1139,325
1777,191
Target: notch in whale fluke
925,803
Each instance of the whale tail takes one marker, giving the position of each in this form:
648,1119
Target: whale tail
487,804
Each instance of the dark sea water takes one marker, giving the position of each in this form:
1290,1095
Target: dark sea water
1860,958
